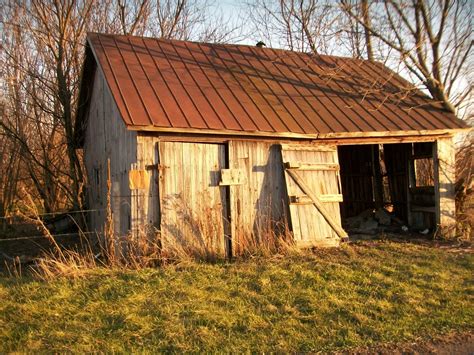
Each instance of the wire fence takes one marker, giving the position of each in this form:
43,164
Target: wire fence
16,218
46,237
50,214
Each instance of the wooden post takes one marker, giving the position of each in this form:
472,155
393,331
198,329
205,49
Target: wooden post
377,177
110,242
411,184
444,168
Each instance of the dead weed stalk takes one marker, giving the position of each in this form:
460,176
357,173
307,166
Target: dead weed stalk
465,189
195,234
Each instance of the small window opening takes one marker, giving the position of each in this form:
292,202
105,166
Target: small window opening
96,177
424,172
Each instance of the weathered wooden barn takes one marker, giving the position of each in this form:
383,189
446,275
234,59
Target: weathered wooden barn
224,141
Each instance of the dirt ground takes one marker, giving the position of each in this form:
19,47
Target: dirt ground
452,246
459,344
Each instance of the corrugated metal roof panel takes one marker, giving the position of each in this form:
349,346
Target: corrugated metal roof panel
177,84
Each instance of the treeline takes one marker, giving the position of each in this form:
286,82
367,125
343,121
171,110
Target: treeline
427,41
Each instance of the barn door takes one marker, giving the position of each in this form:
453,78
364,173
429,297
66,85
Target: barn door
193,205
313,186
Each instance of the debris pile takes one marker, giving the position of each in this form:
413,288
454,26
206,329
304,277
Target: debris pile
372,222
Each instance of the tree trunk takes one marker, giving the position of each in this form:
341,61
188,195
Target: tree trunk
368,39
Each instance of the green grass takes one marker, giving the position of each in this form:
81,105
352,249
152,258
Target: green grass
358,295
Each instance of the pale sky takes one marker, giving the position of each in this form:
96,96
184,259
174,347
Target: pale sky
233,10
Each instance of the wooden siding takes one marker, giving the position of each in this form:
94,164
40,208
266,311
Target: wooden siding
258,199
193,205
259,205
145,203
308,224
107,138
445,168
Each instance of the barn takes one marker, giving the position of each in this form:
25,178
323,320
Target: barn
216,143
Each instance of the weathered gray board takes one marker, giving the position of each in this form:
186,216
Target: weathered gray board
258,201
193,205
253,183
106,137
313,211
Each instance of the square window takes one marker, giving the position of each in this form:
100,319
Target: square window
424,172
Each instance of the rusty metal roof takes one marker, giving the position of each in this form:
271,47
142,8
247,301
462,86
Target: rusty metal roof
179,85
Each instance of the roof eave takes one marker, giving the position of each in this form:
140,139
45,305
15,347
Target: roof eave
292,135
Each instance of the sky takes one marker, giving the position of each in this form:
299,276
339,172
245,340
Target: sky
232,10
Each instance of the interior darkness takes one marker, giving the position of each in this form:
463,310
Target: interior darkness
397,180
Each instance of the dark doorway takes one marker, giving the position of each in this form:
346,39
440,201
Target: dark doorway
388,186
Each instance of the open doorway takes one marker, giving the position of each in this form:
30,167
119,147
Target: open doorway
387,188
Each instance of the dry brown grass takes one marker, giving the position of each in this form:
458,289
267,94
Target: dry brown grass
193,233
138,250
148,247
59,261
465,189
134,252
268,237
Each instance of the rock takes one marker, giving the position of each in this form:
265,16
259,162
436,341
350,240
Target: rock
383,217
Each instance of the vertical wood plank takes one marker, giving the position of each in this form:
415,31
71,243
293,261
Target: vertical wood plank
104,132
256,205
191,198
444,164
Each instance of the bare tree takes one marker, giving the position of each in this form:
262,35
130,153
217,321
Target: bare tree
429,41
133,17
432,39
364,9
9,176
43,49
301,25
29,133
198,20
48,58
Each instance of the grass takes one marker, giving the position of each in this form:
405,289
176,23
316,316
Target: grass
358,295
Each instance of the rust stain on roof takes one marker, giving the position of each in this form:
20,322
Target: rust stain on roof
186,85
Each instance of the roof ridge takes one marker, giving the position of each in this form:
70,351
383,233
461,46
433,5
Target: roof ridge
235,44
